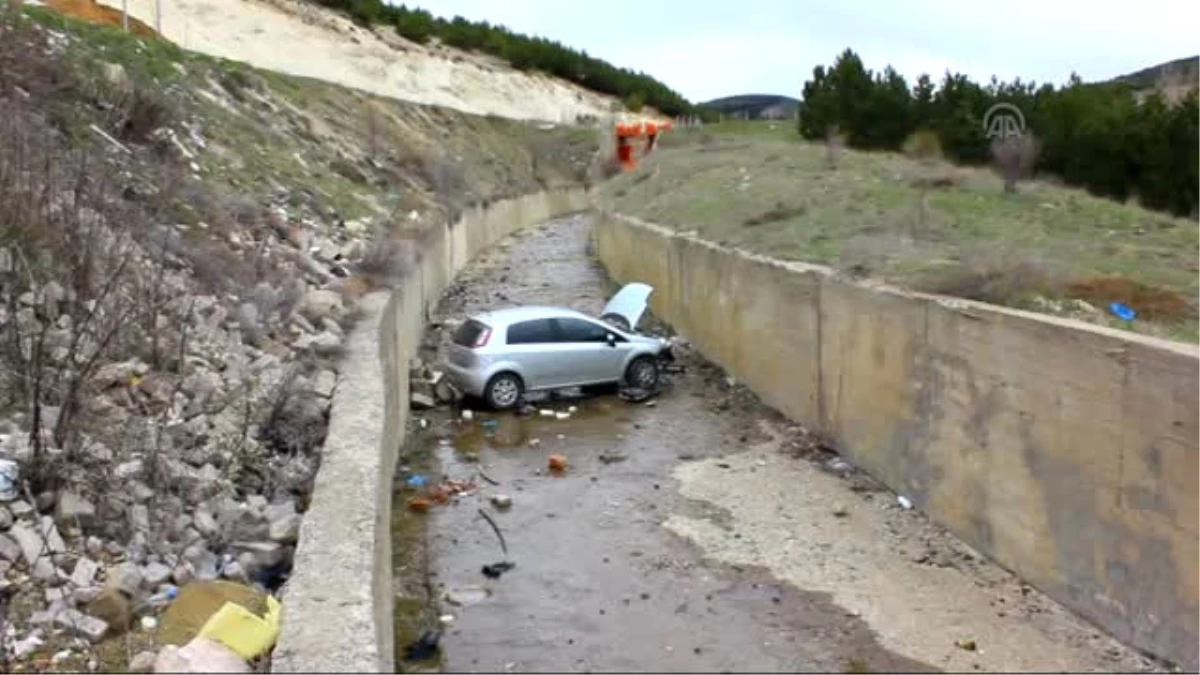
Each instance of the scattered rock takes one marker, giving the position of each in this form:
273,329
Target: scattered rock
421,401
143,662
325,384
84,573
155,574
73,509
79,624
126,578
502,502
320,303
201,655
10,550
205,523
285,530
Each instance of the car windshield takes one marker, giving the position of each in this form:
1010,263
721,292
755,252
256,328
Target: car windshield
468,333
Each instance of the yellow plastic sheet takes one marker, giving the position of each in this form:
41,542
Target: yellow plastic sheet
246,633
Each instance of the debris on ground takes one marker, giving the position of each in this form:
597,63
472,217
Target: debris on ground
419,504
612,457
444,491
494,570
425,647
467,596
200,655
501,501
904,502
966,645
636,394
557,463
496,529
246,633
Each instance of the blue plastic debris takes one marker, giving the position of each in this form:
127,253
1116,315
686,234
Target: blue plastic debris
491,424
1122,311
417,480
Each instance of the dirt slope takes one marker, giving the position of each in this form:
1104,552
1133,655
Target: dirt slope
300,39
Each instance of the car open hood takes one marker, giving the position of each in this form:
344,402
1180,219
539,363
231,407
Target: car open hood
629,303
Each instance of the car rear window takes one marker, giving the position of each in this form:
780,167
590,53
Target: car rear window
468,333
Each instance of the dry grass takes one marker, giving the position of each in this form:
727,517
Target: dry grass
921,224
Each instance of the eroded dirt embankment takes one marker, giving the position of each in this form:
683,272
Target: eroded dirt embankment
703,533
304,39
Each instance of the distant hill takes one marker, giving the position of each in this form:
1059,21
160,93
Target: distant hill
755,106
1174,79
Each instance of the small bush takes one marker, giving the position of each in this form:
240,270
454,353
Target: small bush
775,214
999,279
923,146
835,141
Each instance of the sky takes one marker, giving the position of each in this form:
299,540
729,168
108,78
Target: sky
706,49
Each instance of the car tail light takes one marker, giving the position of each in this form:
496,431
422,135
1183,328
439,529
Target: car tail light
483,338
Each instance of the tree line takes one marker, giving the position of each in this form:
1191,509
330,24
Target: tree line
525,53
1105,137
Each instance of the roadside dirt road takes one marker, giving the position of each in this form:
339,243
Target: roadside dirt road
700,534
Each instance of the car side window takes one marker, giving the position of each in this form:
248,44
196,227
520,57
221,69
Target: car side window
578,330
531,332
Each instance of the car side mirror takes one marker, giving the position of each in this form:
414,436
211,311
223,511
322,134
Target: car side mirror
611,339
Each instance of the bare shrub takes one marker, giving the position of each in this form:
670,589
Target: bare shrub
1014,158
371,112
387,259
75,287
297,421
1001,278
923,146
835,141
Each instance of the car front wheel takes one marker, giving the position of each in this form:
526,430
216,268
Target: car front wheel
503,391
642,373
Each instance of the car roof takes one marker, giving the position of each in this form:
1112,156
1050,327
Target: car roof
510,315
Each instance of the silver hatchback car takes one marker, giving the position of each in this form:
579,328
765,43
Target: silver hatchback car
500,355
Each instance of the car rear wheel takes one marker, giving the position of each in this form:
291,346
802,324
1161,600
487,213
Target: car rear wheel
503,391
642,373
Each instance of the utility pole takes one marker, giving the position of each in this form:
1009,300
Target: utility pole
158,16
125,15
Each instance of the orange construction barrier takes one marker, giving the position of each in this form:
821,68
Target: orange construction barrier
625,153
626,131
651,135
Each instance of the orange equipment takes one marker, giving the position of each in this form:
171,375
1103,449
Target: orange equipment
626,132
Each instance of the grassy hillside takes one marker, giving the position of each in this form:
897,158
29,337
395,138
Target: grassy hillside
756,186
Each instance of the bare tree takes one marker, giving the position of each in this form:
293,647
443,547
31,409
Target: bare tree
372,114
925,147
835,140
1014,158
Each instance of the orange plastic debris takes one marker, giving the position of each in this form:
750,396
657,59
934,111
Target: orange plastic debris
558,463
419,504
